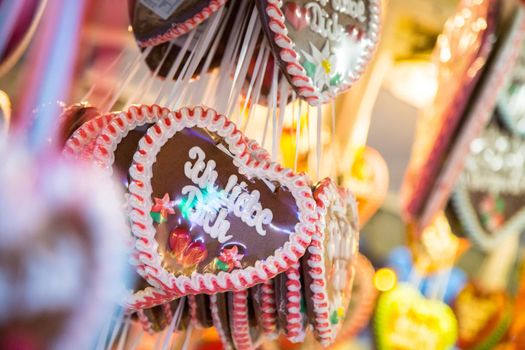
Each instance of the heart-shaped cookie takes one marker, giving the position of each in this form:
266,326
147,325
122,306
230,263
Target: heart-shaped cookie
488,199
483,317
406,320
60,268
460,68
158,21
315,51
188,214
328,265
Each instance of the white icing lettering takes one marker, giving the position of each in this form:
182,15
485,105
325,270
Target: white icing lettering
209,207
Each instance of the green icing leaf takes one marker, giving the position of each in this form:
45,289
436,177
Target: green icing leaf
158,218
310,68
336,79
221,265
334,318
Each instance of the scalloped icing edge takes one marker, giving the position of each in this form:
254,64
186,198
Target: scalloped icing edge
294,329
85,135
239,323
184,27
324,331
468,218
140,202
297,74
268,311
107,136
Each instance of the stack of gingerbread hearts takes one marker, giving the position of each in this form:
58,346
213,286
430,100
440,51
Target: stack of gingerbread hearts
221,235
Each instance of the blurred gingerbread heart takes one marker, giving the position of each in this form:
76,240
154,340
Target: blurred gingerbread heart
483,317
158,21
322,47
407,320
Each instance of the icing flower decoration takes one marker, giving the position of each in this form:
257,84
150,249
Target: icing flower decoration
186,252
319,66
229,259
162,208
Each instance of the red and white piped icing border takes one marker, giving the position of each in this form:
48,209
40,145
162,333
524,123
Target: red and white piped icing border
121,124
300,80
268,311
295,319
325,195
80,144
141,202
184,27
240,323
218,324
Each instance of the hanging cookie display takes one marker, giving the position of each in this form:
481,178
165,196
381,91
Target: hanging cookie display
405,319
322,46
155,22
328,264
488,198
185,214
483,317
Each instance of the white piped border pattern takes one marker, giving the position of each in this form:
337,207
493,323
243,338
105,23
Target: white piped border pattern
325,194
184,27
141,202
299,79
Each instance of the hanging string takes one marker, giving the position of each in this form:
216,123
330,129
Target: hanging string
175,322
118,60
186,343
283,96
123,336
259,81
168,80
134,69
319,140
297,134
148,79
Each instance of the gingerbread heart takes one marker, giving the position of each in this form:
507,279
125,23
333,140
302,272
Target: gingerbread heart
488,199
216,219
316,52
457,80
406,320
328,265
483,317
158,21
54,266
